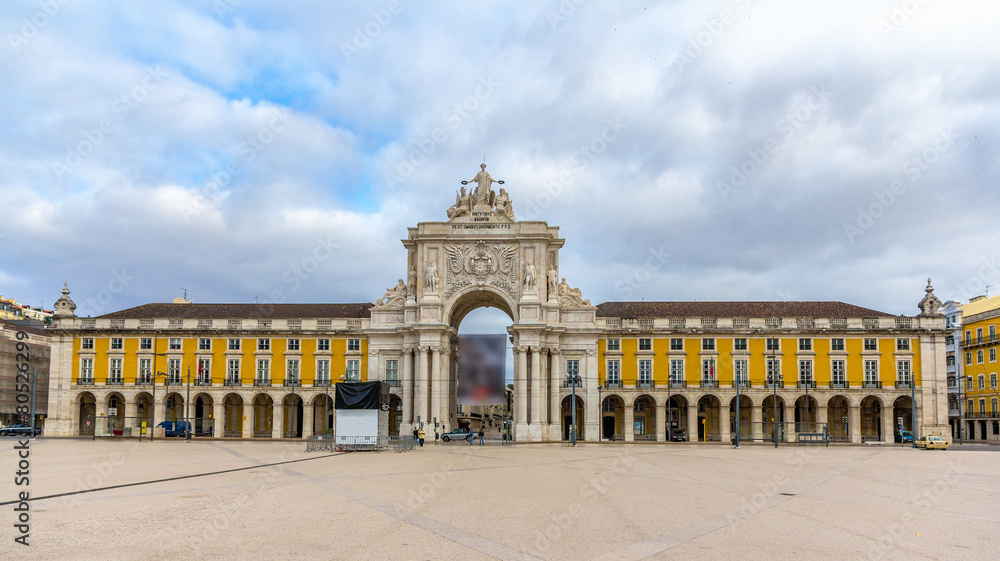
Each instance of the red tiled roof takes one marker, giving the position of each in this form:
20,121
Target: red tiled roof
243,311
735,309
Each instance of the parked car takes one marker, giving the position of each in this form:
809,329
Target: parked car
174,428
455,434
20,430
932,443
903,436
678,435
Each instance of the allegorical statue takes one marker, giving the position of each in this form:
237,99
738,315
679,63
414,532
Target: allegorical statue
484,192
553,283
504,206
431,277
529,277
462,206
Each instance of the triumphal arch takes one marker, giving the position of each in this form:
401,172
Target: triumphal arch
482,257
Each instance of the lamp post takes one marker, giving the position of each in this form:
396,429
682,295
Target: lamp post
574,379
738,384
153,407
326,408
961,406
187,409
670,420
774,400
913,409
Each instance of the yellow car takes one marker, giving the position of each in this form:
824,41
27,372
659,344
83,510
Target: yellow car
932,443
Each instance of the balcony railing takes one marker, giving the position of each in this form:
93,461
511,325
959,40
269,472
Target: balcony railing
868,384
232,382
173,382
296,383
771,384
806,384
611,384
980,341
203,381
678,383
709,383
900,384
644,384
114,382
260,382
394,383
321,384
144,382
742,383
838,385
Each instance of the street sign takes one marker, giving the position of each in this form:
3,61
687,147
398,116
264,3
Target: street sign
112,411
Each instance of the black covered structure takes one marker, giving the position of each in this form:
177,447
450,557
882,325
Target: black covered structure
362,395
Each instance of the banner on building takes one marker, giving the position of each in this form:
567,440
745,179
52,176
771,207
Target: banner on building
481,368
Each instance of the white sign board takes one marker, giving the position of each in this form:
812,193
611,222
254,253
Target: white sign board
357,426
112,411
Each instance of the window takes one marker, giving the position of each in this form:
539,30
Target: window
902,344
145,344
263,369
838,372
614,345
116,344
968,384
234,344
645,344
174,371
233,370
979,334
639,406
263,344
292,369
322,344
903,372
739,344
993,406
949,340
871,344
145,371
676,370
294,345
979,356
323,370
204,344
740,371
982,382
871,371
645,373
949,360
993,355
353,370
175,344
87,344
708,369
773,371
573,369
204,369
609,406
676,344
969,408
806,371
614,373
708,344
805,344
115,370
354,344
982,405
86,369
836,344
993,333
773,344
993,381
392,370
968,358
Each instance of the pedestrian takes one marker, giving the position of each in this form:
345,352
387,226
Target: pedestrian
470,437
420,437
414,435
482,433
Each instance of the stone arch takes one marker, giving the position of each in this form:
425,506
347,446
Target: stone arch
263,416
676,411
87,413
233,421
902,409
115,423
806,409
395,414
292,410
144,410
838,414
708,418
644,411
173,407
771,414
612,417
567,416
871,419
323,414
202,421
469,299
745,416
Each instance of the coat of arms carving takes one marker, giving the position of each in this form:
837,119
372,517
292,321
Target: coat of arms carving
481,264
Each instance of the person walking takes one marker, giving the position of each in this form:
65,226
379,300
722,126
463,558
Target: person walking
420,437
482,434
415,436
470,437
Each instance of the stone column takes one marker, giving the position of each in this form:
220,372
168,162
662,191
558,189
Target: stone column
248,415
542,397
629,423
219,418
790,423
307,419
854,425
159,411
407,377
422,384
443,411
757,420
536,392
692,422
660,418
555,404
521,390
888,425
725,432
823,416
593,408
436,392
277,419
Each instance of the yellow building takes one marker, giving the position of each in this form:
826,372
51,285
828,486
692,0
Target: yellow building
980,345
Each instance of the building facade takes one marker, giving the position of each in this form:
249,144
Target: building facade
980,344
23,345
953,322
263,371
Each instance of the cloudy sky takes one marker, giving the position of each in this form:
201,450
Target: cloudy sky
733,150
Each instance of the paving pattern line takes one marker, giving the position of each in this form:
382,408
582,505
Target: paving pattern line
663,542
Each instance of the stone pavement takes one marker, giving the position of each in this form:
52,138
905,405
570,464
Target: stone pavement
546,501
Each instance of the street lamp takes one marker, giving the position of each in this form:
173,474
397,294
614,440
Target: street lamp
913,410
774,399
153,407
574,379
187,409
738,384
670,420
961,405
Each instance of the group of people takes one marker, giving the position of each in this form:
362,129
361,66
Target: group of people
419,435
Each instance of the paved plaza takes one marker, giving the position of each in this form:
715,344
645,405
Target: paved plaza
538,501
